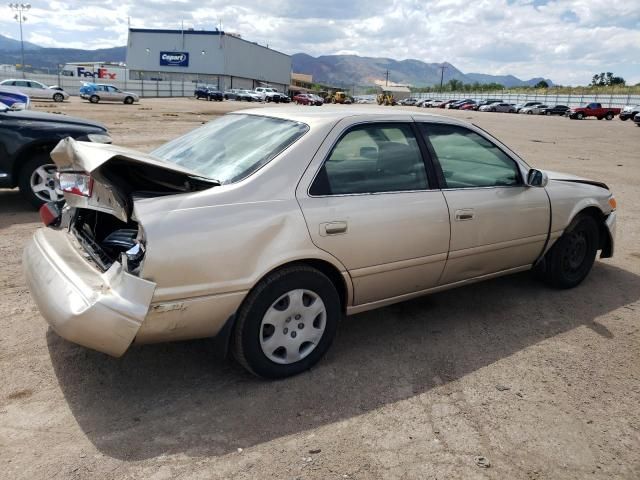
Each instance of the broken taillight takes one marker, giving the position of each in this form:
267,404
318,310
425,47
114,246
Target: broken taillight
76,183
50,214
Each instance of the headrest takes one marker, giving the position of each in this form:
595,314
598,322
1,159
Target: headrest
396,158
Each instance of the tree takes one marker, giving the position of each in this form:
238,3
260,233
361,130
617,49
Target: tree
541,84
606,79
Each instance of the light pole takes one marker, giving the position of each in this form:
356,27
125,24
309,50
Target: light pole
20,8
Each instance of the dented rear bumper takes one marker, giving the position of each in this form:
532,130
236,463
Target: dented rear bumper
102,311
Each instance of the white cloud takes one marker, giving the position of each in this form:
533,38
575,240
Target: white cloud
565,40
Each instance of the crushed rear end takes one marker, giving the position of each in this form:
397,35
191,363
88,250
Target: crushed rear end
85,271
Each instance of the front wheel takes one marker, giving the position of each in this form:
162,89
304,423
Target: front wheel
579,115
58,97
94,98
287,322
128,100
570,259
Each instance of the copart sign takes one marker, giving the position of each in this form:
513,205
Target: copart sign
174,59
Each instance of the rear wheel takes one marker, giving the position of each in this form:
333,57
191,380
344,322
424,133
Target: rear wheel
58,97
94,98
570,259
609,116
37,180
287,322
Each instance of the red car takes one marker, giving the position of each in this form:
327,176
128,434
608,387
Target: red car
593,110
302,99
308,99
468,106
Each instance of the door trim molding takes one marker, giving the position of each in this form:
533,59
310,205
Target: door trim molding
408,296
497,246
399,265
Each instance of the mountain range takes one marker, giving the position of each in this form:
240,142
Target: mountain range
347,70
337,70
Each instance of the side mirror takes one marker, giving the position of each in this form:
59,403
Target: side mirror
537,178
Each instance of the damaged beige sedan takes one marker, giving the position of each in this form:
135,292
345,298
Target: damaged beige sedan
264,227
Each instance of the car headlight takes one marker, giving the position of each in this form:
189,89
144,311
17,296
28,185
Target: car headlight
99,138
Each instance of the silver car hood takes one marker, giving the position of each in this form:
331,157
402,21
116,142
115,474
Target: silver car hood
567,177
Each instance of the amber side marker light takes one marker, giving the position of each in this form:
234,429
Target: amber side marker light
612,203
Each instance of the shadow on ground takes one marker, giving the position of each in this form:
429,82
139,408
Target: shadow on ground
14,209
174,398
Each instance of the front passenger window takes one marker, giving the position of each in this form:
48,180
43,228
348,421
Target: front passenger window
372,158
469,160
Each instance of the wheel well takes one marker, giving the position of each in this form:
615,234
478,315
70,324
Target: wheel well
329,270
23,157
603,234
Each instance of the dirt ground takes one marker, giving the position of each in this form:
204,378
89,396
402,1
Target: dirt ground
543,384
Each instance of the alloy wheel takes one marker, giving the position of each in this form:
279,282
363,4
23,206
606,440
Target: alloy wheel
43,183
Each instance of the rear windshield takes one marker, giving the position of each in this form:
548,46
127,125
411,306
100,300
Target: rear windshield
232,147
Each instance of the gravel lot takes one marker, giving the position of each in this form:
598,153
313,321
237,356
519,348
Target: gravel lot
544,384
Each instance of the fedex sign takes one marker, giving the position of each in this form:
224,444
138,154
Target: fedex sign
100,73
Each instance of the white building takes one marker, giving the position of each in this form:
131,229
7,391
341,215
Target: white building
212,57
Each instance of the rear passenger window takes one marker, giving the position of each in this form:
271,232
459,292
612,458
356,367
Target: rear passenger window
372,158
469,160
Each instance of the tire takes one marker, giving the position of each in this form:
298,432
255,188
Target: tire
609,116
270,300
548,114
529,112
579,115
570,259
94,98
599,118
128,100
32,174
624,119
492,110
58,97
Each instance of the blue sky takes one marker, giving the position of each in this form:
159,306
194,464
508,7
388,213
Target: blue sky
565,40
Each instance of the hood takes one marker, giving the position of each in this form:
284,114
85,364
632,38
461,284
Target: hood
33,116
567,177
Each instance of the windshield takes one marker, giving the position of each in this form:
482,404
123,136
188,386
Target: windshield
232,147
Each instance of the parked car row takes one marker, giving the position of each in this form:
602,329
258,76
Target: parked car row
593,109
260,94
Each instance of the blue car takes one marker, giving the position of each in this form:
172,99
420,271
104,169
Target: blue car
11,97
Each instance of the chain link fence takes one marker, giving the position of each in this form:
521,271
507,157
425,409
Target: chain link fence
143,88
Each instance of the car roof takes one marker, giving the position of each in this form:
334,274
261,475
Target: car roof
335,113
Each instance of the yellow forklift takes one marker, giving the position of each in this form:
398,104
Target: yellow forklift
386,98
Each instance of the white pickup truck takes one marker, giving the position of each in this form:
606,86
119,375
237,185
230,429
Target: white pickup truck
270,94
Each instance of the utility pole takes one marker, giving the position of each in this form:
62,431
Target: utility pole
387,78
20,8
442,68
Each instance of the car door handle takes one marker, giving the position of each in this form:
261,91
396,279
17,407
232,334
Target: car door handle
465,214
333,228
